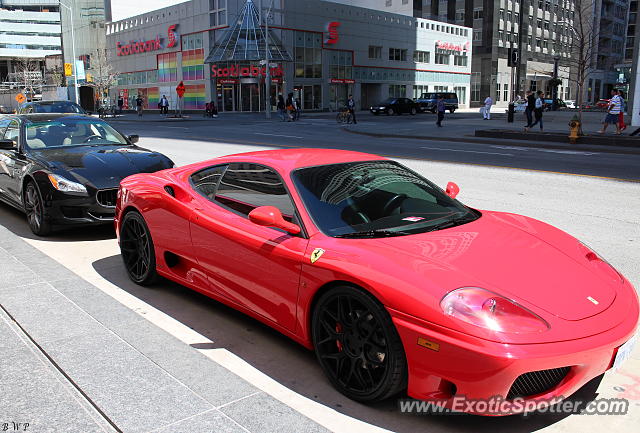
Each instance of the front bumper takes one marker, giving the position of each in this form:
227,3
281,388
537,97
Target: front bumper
376,110
76,210
455,365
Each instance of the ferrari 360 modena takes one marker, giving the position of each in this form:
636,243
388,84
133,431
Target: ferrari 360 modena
395,284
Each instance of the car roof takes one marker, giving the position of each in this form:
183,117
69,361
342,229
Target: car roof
287,160
44,117
49,102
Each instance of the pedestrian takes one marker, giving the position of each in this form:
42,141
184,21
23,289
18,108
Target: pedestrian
486,113
440,107
290,107
538,111
213,108
164,105
120,104
623,107
351,105
531,106
281,107
139,105
613,113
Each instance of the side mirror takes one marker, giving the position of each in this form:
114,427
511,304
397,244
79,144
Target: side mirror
452,189
134,138
7,145
270,216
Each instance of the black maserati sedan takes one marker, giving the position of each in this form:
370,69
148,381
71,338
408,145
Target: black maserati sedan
64,169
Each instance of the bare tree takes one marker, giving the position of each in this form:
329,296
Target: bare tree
28,75
582,49
103,75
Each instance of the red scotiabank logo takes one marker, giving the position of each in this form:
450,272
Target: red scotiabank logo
172,34
448,46
332,33
137,47
235,71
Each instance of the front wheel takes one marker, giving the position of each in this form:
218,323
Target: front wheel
34,208
390,112
137,249
357,345
413,111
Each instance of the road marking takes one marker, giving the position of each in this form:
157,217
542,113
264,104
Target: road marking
174,127
525,149
467,151
278,135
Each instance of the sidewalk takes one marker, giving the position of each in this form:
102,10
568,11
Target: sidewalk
73,359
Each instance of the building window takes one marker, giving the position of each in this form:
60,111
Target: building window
375,52
475,86
497,92
192,57
218,13
308,55
341,64
397,91
477,14
477,35
418,90
442,59
506,91
461,92
167,67
421,56
460,60
397,55
387,3
195,97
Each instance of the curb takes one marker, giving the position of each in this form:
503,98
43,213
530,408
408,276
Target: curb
467,139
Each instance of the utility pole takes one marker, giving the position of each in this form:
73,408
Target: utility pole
520,44
267,78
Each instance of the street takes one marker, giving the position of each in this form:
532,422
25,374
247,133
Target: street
593,195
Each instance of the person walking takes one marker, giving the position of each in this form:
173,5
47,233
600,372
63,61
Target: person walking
440,105
531,106
164,105
613,113
290,107
623,107
281,107
538,111
120,104
351,105
139,105
486,113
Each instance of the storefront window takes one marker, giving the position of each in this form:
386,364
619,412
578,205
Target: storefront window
397,91
308,55
194,97
310,96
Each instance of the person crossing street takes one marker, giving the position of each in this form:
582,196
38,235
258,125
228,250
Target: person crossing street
351,105
441,108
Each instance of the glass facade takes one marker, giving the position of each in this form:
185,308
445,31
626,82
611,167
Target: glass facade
308,55
192,57
167,67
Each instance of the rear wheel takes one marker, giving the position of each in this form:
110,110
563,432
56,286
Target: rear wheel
34,208
413,111
137,250
357,345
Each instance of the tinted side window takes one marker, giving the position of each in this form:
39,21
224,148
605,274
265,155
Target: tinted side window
3,125
13,132
246,186
206,181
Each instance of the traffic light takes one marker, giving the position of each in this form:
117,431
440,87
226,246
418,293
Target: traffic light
513,58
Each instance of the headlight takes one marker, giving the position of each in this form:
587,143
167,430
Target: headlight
488,310
65,185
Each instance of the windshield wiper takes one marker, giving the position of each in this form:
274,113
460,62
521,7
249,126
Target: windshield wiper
466,218
373,234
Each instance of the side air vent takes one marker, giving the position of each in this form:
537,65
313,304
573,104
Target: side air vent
170,191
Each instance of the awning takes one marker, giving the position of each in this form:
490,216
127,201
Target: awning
246,41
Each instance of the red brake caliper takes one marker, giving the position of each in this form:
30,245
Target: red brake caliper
339,331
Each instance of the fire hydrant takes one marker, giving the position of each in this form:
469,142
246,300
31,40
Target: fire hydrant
574,132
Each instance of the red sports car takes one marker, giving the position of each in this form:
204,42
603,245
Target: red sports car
394,283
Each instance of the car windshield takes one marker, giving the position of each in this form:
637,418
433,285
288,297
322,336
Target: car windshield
375,198
57,107
388,101
71,132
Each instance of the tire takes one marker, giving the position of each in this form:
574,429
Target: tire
34,208
453,110
413,111
390,112
339,118
137,249
365,368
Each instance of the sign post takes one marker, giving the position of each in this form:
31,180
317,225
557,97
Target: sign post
180,89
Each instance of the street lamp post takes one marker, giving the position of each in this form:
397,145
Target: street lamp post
267,78
73,53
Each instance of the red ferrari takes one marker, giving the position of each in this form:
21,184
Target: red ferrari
391,281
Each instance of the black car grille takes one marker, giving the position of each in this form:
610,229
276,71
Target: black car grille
537,382
107,197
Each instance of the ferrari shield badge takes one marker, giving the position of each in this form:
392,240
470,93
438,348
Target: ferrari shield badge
316,254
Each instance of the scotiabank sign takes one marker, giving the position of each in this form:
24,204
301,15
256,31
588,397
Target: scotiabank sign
137,47
448,46
237,71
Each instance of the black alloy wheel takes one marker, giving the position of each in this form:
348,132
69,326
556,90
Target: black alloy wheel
34,208
357,345
137,250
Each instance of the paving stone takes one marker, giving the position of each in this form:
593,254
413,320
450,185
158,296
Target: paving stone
209,422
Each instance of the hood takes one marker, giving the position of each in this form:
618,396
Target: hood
497,256
101,166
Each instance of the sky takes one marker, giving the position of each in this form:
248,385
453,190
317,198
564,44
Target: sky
121,9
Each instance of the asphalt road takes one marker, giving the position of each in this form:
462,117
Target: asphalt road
603,212
322,131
